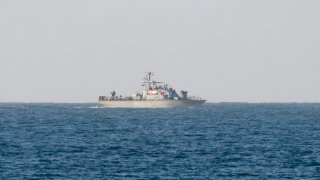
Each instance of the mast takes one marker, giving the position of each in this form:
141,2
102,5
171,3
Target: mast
148,81
148,78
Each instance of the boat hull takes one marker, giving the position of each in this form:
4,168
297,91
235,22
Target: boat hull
152,103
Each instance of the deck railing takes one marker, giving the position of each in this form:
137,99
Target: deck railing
116,98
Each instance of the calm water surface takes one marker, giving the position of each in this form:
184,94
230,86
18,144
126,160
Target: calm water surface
226,141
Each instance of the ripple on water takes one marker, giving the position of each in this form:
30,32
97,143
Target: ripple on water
84,141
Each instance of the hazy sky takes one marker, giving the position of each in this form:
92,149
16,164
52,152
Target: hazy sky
226,50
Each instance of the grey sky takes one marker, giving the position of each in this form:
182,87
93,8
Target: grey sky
227,50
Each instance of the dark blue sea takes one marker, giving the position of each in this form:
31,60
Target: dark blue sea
215,141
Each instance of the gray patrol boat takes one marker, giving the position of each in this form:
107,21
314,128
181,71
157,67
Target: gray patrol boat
156,95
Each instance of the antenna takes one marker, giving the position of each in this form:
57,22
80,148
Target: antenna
149,82
148,76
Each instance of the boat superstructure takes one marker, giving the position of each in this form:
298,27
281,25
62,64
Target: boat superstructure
156,95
